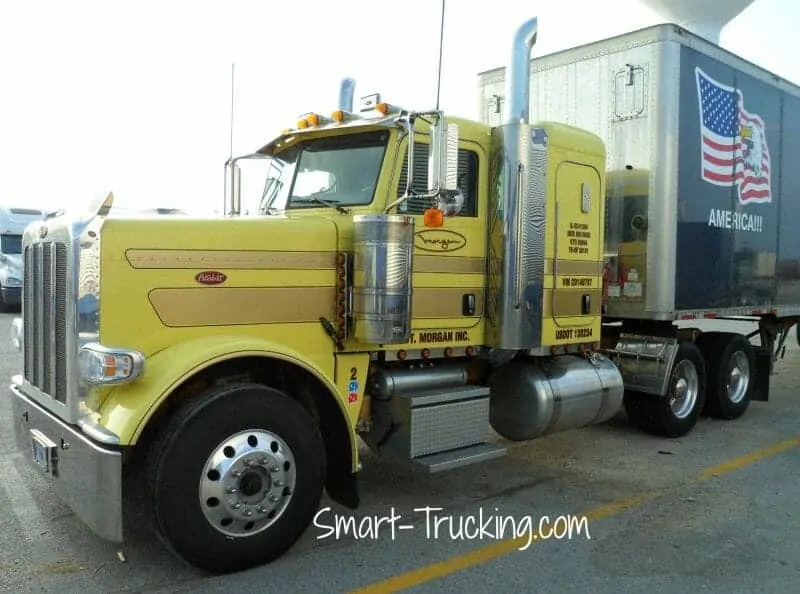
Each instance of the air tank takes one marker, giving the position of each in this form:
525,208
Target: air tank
705,18
384,247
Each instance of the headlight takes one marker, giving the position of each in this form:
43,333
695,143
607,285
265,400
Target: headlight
16,333
13,282
104,365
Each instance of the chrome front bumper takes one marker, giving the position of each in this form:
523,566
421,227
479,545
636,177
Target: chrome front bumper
85,476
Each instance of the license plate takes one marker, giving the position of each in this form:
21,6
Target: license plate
43,450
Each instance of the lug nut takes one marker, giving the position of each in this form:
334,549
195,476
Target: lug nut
278,482
261,509
274,468
273,498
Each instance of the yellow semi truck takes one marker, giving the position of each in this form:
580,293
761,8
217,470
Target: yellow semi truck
411,280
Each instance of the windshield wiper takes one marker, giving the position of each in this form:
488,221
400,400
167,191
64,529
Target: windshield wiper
317,200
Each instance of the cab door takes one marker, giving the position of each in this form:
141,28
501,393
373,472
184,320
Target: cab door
449,278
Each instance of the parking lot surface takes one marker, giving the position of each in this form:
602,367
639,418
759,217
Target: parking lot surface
716,511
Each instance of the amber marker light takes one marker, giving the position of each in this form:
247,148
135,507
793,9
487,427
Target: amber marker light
433,217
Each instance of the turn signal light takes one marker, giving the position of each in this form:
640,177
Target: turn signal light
433,217
102,365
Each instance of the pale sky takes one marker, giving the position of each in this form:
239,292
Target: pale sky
135,97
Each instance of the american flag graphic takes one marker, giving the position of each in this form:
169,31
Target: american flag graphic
734,145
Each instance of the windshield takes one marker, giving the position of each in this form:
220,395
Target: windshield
337,170
11,244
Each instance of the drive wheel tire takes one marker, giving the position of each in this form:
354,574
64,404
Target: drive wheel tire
731,363
236,478
676,413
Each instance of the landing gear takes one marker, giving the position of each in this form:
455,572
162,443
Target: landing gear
236,478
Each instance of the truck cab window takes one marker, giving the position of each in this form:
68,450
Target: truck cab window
467,181
340,170
11,244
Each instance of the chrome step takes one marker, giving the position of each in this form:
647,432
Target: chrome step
444,461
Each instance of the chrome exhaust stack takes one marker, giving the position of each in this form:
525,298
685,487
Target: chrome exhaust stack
518,75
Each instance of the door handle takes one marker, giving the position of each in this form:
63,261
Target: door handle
468,304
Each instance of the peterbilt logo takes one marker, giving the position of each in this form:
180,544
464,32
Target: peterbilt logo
42,231
210,277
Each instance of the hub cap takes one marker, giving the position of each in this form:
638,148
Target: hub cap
738,377
684,389
247,483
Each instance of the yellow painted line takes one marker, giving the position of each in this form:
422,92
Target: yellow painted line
458,563
748,459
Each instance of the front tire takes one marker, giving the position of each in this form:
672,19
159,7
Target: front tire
236,478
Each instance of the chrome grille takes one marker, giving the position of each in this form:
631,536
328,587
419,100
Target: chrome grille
44,302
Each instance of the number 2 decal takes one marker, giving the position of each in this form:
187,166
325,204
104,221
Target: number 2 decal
352,388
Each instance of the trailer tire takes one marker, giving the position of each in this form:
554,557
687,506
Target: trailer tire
731,363
674,414
250,438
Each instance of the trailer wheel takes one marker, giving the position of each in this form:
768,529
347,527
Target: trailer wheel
676,413
731,364
236,478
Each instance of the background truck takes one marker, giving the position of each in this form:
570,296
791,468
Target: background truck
410,281
13,221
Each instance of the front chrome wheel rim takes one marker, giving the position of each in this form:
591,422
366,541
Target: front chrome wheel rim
247,483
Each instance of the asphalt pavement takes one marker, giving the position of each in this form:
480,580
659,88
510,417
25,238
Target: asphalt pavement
716,511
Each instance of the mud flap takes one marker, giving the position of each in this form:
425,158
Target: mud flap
763,359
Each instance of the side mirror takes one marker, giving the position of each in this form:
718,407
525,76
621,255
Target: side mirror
443,171
443,157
